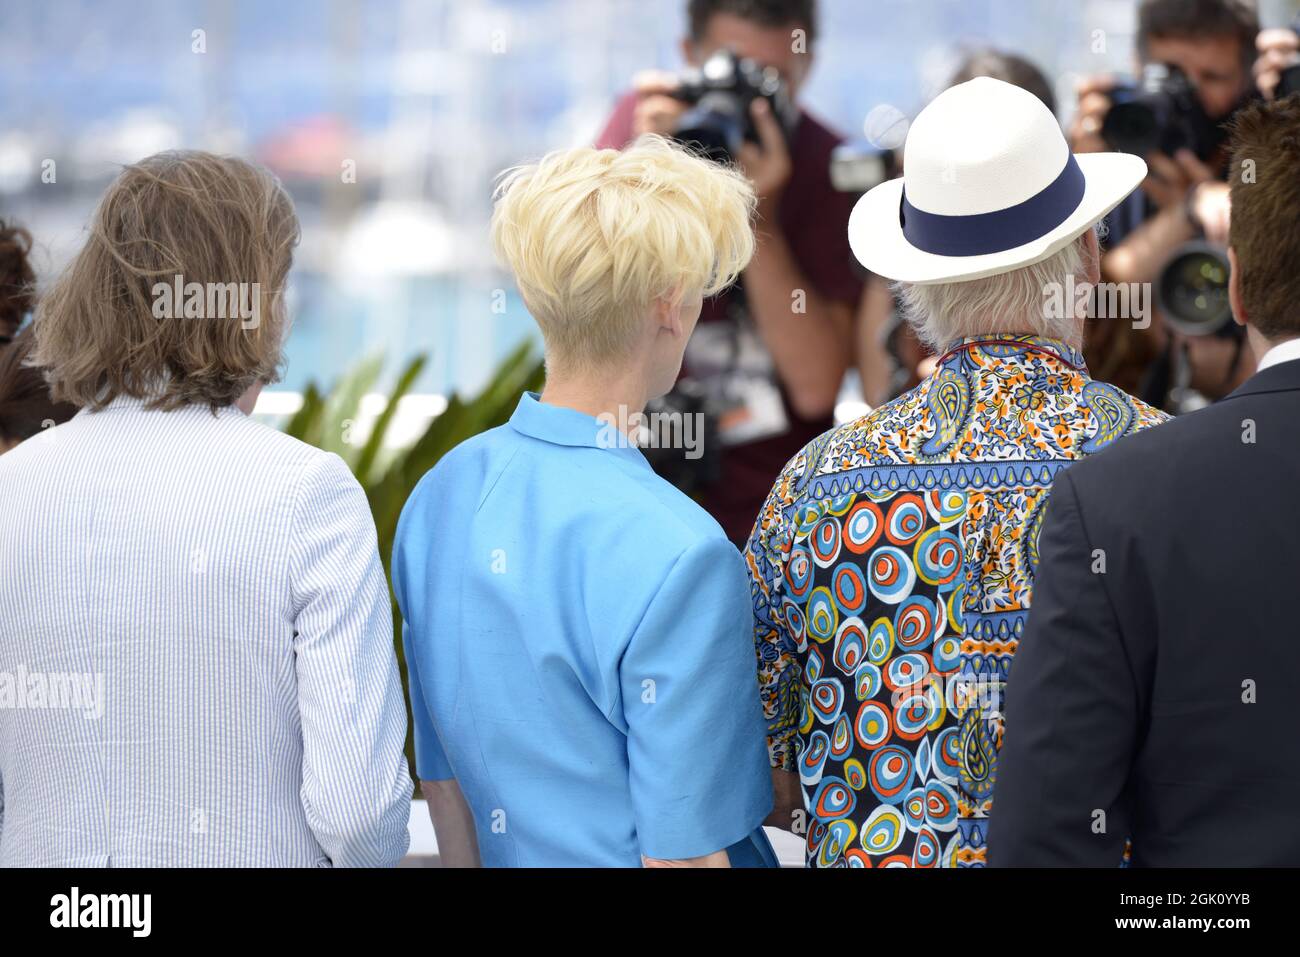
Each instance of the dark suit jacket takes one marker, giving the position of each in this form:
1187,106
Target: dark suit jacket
1159,698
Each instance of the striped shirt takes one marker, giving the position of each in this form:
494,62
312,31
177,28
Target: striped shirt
196,659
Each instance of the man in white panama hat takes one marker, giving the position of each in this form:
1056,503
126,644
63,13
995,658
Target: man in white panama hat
893,562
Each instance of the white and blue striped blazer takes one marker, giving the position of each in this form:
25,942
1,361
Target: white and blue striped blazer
219,583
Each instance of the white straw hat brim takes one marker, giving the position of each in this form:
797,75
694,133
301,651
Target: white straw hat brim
877,240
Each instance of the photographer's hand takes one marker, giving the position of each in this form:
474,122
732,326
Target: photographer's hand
768,165
1211,207
1170,179
1278,49
1094,103
657,110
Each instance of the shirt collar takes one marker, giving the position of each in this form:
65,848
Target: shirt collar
1007,346
130,403
1282,352
560,425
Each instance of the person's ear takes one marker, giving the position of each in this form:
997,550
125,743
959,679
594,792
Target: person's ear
668,313
1234,290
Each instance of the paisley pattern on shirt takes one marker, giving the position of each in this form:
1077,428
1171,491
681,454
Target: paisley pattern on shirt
892,567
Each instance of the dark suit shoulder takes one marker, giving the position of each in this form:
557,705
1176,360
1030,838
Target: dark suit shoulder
1194,450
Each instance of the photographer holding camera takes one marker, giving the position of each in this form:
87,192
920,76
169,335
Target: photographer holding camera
768,357
1198,67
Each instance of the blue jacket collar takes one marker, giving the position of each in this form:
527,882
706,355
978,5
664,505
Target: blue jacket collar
559,425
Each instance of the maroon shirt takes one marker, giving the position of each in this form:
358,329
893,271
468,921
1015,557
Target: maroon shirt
814,219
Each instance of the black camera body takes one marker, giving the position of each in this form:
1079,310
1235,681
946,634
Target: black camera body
1159,112
720,93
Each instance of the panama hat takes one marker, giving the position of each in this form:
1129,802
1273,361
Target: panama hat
990,185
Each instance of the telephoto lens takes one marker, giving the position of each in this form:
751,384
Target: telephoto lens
1192,291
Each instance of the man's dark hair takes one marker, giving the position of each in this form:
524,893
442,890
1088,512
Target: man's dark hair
1265,203
1007,67
1198,19
766,13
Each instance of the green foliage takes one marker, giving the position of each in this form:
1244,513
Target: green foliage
388,476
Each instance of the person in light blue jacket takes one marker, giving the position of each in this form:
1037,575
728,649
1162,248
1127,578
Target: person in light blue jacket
577,630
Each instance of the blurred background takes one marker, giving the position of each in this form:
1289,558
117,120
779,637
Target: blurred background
388,119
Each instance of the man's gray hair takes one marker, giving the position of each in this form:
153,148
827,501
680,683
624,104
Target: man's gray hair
1016,301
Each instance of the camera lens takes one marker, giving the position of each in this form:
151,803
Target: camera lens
1131,127
715,127
1193,290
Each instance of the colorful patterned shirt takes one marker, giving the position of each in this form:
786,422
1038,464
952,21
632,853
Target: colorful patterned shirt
891,571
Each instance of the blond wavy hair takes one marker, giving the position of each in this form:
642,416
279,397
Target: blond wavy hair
594,237
209,219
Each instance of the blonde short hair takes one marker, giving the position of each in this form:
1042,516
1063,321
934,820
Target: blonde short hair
214,220
594,237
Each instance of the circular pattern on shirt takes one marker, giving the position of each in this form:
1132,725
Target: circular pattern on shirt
906,519
814,665
926,850
872,726
914,623
826,699
813,760
940,806
850,645
806,517
882,831
798,571
880,641
825,542
938,557
855,775
823,616
857,858
906,672
839,834
946,506
922,759
914,809
889,774
816,832
795,624
867,681
892,574
945,756
862,527
946,654
912,715
850,587
834,799
841,738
